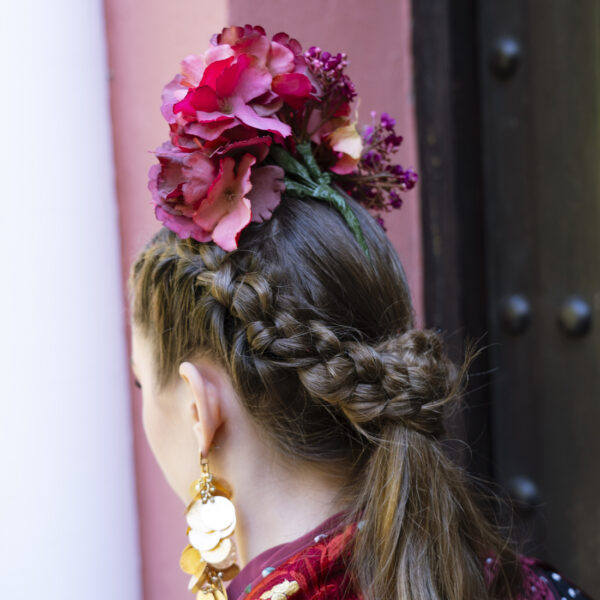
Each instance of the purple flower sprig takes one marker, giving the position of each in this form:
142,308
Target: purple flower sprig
328,70
378,183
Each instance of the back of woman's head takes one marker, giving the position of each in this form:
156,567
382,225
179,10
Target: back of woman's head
303,320
318,339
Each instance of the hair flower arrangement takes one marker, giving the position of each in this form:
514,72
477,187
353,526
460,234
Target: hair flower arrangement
251,117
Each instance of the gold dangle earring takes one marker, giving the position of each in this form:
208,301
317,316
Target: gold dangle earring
210,556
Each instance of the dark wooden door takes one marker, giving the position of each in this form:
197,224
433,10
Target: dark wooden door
528,72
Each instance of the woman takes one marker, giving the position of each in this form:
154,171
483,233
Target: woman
273,336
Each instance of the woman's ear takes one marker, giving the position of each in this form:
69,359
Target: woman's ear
205,405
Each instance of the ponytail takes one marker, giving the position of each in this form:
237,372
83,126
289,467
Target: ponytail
422,536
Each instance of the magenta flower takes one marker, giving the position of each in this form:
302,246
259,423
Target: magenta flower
242,80
202,198
178,184
221,100
229,108
226,210
223,112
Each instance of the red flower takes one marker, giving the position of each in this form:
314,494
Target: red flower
294,88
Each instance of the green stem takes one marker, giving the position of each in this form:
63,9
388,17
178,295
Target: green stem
307,181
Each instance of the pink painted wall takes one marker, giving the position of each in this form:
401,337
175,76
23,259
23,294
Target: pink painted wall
147,39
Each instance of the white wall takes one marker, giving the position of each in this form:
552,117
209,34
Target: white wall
67,494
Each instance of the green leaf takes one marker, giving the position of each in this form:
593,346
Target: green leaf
336,199
298,188
305,151
309,182
288,163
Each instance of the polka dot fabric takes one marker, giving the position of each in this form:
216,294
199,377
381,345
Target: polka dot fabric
557,585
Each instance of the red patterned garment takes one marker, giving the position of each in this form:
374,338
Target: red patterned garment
317,570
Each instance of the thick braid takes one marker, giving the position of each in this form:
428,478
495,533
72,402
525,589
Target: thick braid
405,379
257,332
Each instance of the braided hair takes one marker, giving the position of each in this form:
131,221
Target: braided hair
319,341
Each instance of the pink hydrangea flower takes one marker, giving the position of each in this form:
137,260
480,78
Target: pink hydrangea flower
226,209
222,111
178,184
267,187
243,79
202,198
221,100
226,110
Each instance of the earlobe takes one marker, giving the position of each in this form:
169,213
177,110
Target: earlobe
205,405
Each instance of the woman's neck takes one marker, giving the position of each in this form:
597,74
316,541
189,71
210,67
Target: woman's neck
276,506
277,500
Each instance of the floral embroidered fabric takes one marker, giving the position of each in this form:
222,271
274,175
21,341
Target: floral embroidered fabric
317,571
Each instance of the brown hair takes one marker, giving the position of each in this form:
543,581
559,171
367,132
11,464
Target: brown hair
322,350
